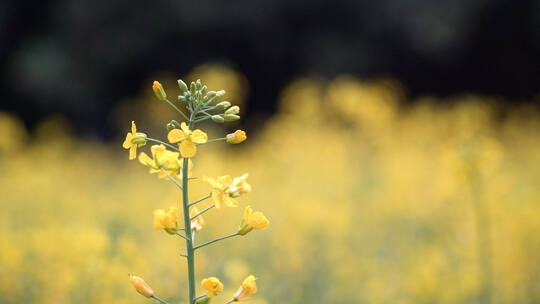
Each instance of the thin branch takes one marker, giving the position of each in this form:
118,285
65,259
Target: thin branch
200,297
176,108
183,236
200,200
215,139
213,241
230,301
159,300
172,178
206,209
163,143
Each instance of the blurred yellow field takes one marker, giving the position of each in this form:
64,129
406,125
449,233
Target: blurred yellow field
370,202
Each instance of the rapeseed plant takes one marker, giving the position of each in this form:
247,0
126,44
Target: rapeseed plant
173,162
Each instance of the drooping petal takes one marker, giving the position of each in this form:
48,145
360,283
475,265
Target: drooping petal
199,136
229,201
133,128
176,135
217,197
133,152
187,148
146,160
214,183
224,180
127,142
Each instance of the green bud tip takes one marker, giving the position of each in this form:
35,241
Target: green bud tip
218,118
182,85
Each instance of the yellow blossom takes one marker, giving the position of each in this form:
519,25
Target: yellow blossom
166,220
237,137
252,220
212,285
248,287
163,158
197,223
134,140
141,286
188,139
159,91
226,189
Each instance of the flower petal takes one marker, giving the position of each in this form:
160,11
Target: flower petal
133,152
229,201
185,127
199,136
127,142
145,160
187,148
217,197
176,135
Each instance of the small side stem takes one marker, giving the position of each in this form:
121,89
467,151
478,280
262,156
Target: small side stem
159,299
200,200
200,213
215,139
173,179
215,240
176,108
230,301
163,143
183,236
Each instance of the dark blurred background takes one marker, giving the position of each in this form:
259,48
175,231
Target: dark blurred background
80,57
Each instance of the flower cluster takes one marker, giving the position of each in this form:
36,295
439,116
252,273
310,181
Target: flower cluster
172,160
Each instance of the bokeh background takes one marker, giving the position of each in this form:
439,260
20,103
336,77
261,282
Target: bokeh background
395,147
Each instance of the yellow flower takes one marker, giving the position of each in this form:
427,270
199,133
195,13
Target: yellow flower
188,139
252,220
237,137
166,220
158,90
212,285
197,223
163,158
134,140
226,189
141,286
248,287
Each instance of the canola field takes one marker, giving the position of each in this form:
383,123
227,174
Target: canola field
370,201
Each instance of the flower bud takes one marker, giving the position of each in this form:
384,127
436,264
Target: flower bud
198,84
233,110
237,137
139,139
231,117
204,89
220,93
217,118
182,98
158,90
192,88
247,288
211,94
182,85
141,286
223,105
252,220
170,126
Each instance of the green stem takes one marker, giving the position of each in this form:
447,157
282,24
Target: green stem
183,236
176,108
200,297
173,179
189,242
200,213
218,239
200,200
230,301
159,300
163,143
215,139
